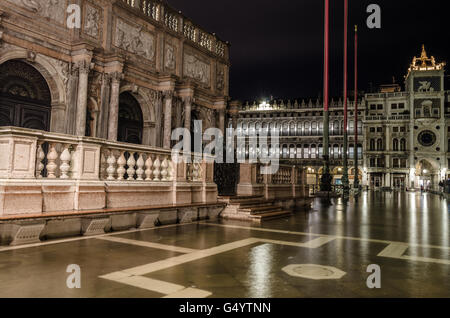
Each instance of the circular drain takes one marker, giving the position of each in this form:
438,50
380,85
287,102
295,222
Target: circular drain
312,271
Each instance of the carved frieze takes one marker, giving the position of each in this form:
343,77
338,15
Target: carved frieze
134,40
51,9
197,69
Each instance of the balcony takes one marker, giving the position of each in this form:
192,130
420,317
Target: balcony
42,172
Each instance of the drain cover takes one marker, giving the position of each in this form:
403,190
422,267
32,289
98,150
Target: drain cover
312,271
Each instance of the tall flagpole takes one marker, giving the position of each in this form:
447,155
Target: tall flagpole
356,180
345,181
325,185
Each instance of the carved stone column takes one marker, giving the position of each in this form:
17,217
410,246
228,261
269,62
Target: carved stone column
168,96
113,120
83,80
187,111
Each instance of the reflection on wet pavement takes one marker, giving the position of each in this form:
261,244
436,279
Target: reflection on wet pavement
406,234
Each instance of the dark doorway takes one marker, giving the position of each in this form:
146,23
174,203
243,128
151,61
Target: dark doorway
25,99
131,122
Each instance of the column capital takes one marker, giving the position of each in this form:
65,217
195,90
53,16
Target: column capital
84,66
188,99
115,77
168,94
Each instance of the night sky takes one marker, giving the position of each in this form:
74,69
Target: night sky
277,45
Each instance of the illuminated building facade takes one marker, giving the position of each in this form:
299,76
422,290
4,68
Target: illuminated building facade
404,135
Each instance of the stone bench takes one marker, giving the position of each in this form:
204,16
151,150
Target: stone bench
27,229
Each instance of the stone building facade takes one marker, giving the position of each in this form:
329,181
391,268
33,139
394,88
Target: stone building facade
407,132
300,127
403,135
87,111
134,70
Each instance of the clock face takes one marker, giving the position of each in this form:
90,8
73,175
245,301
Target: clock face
427,138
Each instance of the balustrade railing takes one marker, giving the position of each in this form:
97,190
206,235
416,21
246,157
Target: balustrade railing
48,155
177,23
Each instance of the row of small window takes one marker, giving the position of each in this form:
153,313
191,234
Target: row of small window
295,129
381,107
297,152
427,112
378,145
394,129
380,163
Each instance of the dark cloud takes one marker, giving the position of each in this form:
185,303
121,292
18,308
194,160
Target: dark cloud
277,45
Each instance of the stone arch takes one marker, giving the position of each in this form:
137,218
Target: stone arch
147,103
45,66
53,79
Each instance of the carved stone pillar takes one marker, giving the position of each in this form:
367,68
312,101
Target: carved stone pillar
168,97
83,80
187,112
113,120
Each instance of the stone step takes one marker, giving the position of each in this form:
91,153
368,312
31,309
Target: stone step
270,215
260,209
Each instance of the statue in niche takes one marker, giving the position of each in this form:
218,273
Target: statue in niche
220,79
170,57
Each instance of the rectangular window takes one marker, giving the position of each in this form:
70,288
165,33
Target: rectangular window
395,129
380,106
372,129
396,165
402,129
394,106
401,106
379,129
373,107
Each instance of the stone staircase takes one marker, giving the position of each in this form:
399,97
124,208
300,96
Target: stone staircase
252,208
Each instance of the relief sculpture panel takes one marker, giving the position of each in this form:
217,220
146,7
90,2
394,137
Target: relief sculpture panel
52,9
197,69
134,40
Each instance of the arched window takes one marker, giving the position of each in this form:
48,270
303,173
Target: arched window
380,145
395,144
306,152
351,151
307,129
299,152
314,128
372,145
131,123
313,152
25,99
336,127
285,152
300,129
336,151
403,144
320,151
292,129
292,151
321,128
285,129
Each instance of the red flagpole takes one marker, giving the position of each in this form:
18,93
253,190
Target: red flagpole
356,181
356,85
345,63
326,55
